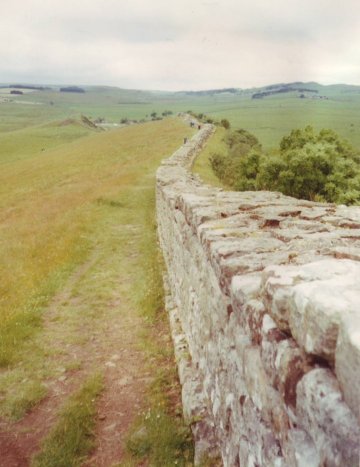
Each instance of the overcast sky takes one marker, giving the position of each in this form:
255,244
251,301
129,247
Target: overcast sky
179,44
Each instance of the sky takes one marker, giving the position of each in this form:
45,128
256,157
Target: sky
179,44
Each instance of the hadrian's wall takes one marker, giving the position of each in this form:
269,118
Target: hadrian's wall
264,302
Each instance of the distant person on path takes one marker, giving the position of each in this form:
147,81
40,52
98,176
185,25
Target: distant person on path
185,140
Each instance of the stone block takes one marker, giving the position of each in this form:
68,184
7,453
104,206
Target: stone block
310,301
323,414
347,360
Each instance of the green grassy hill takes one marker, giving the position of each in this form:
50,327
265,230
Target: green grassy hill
53,179
272,117
76,233
269,118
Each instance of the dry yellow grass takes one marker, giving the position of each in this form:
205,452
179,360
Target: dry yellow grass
49,206
91,202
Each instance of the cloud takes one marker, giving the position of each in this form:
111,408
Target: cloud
179,45
110,29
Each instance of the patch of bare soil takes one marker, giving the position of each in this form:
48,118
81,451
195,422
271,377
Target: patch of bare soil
125,384
19,440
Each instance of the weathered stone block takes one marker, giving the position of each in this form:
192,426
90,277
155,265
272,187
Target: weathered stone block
347,360
324,415
310,300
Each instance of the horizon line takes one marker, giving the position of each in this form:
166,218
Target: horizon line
27,83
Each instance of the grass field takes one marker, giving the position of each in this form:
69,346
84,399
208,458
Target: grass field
50,203
202,165
272,118
269,118
68,191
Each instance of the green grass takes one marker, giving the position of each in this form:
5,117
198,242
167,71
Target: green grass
26,396
269,119
161,441
272,118
159,435
49,208
72,438
83,197
202,165
28,142
107,215
112,104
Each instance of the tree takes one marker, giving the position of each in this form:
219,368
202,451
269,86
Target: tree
225,123
313,166
308,165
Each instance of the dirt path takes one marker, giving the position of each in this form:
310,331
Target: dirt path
89,328
123,395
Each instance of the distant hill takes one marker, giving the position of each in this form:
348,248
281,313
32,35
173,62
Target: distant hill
73,89
209,92
25,86
283,88
304,89
311,87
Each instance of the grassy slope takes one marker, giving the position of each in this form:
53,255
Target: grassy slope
269,118
110,103
272,118
95,193
29,142
49,207
202,165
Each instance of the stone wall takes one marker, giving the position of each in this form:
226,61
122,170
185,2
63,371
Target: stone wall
264,302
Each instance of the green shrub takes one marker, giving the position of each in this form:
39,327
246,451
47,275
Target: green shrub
225,123
240,137
308,165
